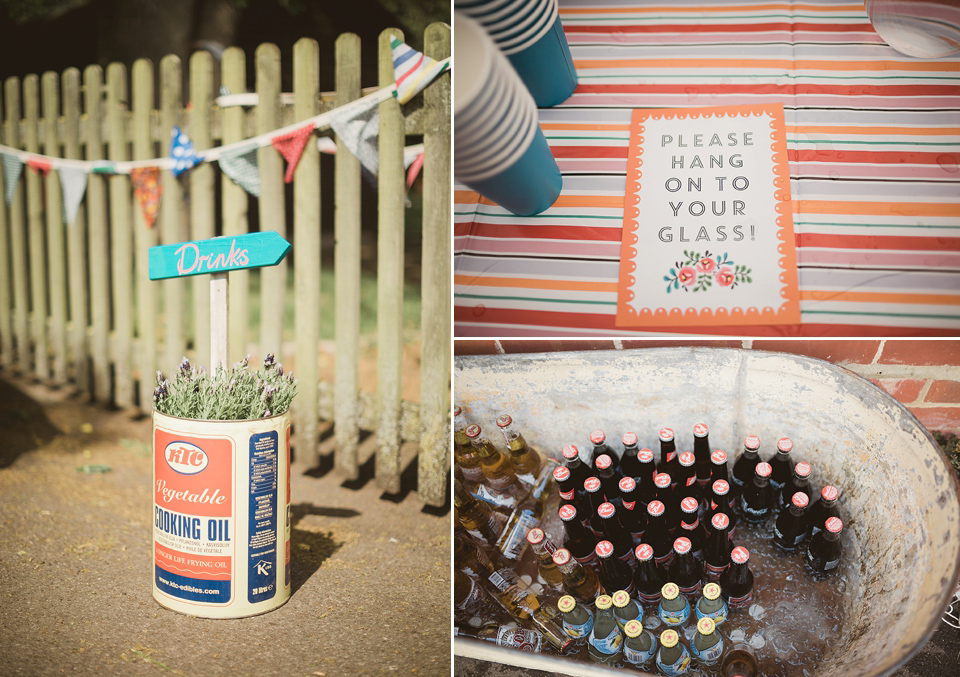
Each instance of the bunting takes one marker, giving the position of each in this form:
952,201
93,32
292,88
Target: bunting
12,168
73,185
241,166
413,70
182,151
39,165
359,131
291,147
147,189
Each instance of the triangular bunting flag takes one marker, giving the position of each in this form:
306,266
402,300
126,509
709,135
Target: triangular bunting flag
73,184
39,165
413,169
12,168
291,147
147,189
413,70
182,152
241,166
359,129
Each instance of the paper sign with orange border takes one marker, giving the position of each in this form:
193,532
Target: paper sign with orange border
707,220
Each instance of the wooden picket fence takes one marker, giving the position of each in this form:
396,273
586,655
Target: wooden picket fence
75,303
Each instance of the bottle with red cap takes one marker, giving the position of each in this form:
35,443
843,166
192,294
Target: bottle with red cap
720,502
668,462
687,482
593,491
578,539
736,583
615,574
718,466
745,465
757,499
613,530
716,555
791,526
649,577
544,549
578,469
667,496
633,516
648,469
565,486
467,458
799,481
526,461
825,549
578,580
691,527
701,451
658,533
496,467
781,464
823,508
685,570
599,441
609,478
629,464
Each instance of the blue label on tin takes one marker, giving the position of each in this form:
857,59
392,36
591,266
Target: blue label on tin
262,526
194,589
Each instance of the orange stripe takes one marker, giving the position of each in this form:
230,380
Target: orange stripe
466,197
881,297
663,9
909,131
771,64
584,126
531,283
876,208
469,197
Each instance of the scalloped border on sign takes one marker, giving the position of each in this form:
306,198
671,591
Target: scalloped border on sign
788,311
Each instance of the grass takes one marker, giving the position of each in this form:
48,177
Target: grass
950,444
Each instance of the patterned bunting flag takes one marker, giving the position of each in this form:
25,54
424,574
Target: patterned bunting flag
413,70
73,185
182,152
147,189
291,147
241,166
39,165
12,168
359,129
413,169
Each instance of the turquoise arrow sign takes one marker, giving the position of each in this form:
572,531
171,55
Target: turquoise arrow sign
217,255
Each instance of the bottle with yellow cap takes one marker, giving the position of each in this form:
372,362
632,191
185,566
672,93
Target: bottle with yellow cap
707,644
640,644
625,608
673,658
674,609
577,618
605,638
711,604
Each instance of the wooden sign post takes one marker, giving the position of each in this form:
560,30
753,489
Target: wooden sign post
216,257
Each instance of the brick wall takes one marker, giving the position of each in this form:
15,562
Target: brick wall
922,374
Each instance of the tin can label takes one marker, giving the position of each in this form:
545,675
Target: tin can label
518,638
262,544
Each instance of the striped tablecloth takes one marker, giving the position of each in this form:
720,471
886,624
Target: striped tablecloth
873,139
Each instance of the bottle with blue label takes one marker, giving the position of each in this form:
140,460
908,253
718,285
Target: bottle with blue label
625,608
673,658
640,645
674,608
577,618
707,644
711,604
605,638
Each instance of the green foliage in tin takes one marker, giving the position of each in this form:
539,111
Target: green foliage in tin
235,395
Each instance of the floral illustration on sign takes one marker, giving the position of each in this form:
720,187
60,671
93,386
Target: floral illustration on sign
699,272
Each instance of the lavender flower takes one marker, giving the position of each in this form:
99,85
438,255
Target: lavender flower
269,361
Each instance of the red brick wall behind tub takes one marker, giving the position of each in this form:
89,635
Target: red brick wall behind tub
922,374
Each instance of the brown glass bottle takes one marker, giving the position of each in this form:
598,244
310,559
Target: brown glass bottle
505,586
468,557
496,467
578,580
634,514
737,581
579,471
476,517
756,501
823,508
716,554
718,466
701,452
799,481
467,458
720,502
544,549
648,578
609,478
657,534
781,466
525,461
629,464
685,570
578,539
599,441
745,465
740,661
613,530
668,462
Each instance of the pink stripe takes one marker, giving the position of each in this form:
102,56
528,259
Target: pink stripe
412,70
729,38
893,259
838,170
577,248
576,165
695,98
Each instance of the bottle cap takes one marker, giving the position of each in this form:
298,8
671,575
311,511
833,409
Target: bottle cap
504,420
561,473
830,493
682,545
604,549
603,602
645,455
535,536
644,552
689,504
591,484
472,431
803,469
740,555
751,442
721,487
457,410
718,457
763,469
705,625
687,459
662,480
561,556
633,628
603,462
834,525
800,499
655,508
597,437
711,591
666,434
670,590
570,452
566,604
785,444
621,598
567,512
606,510
700,430
629,439
669,638
720,521
627,484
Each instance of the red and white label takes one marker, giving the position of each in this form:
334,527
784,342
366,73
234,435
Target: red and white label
570,452
740,555
751,442
682,545
763,469
718,457
597,437
662,480
700,430
829,493
567,512
603,462
655,508
800,499
644,552
627,484
720,521
591,484
606,510
561,473
834,525
687,459
666,434
629,439
645,455
604,548
785,444
721,487
803,469
689,504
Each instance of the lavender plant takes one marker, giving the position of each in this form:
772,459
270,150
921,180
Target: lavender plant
235,395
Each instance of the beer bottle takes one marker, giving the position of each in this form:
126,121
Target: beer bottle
686,571
599,441
673,658
468,460
615,574
525,461
648,469
825,549
565,486
578,539
822,508
629,463
740,661
609,478
507,588
674,608
791,526
640,645
716,556
468,597
521,639
701,451
781,465
711,604
578,469
666,496
613,530
496,467
544,549
756,500
476,517
512,542
690,526
736,583
720,502
718,466
657,533
668,454
799,481
594,493
625,608
605,638
468,557
687,482
707,645
577,618
745,466
648,578
633,517
578,580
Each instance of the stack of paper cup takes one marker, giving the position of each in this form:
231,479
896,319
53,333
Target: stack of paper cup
499,150
530,34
